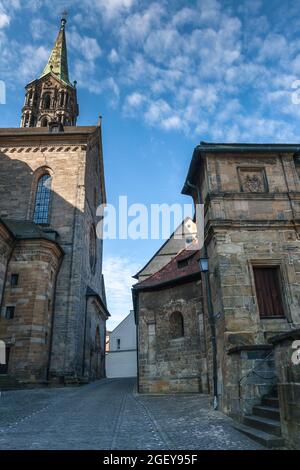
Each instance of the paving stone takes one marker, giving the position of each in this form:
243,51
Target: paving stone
110,415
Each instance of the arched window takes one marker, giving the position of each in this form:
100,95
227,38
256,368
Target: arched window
176,325
42,200
26,120
93,253
47,101
44,122
29,97
61,99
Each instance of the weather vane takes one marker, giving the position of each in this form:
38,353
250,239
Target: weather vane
65,14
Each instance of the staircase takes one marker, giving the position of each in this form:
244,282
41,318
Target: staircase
263,425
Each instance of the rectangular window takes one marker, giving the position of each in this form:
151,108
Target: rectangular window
118,343
14,280
268,291
10,313
182,263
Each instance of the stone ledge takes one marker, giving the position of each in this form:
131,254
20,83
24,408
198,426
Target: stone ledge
292,335
249,347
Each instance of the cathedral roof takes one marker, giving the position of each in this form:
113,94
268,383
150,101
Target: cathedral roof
27,230
182,267
8,131
58,60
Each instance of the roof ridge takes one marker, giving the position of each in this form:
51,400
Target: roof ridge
162,246
165,266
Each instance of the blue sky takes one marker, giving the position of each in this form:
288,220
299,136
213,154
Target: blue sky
164,75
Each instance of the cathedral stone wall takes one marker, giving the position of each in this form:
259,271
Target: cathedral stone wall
6,246
28,333
74,161
168,364
49,149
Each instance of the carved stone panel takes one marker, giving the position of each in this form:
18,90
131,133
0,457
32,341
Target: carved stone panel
253,180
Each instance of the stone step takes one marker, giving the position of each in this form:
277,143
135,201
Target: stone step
267,425
266,412
268,440
9,383
270,401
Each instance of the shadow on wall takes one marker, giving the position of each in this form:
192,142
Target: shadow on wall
18,197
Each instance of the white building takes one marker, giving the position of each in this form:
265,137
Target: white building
121,360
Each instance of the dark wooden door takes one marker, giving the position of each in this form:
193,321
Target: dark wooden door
268,291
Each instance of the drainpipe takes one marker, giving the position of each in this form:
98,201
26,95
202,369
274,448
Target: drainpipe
52,320
211,316
135,296
84,338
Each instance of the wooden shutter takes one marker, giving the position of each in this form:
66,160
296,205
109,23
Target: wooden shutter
268,291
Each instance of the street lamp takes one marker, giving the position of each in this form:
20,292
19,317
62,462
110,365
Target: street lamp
203,264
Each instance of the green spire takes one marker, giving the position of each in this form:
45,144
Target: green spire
58,60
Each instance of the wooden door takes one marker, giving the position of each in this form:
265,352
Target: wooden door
268,291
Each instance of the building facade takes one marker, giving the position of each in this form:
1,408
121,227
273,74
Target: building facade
251,195
226,320
53,308
171,330
121,359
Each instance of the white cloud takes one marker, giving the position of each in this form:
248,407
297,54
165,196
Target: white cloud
172,123
109,8
118,274
4,20
135,100
113,56
136,27
180,67
87,46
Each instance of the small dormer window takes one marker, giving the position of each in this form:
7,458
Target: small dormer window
182,263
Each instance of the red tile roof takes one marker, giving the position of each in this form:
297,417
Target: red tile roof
172,272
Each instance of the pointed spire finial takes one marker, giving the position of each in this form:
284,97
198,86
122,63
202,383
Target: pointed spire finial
58,60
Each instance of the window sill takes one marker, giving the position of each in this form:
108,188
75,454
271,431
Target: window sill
274,318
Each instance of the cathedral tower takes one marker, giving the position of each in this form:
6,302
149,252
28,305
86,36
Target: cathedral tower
52,98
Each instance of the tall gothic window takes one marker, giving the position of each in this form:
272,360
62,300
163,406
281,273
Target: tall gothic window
26,120
44,122
93,253
47,101
42,200
62,97
176,325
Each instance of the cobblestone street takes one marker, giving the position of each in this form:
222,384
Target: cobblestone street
109,415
